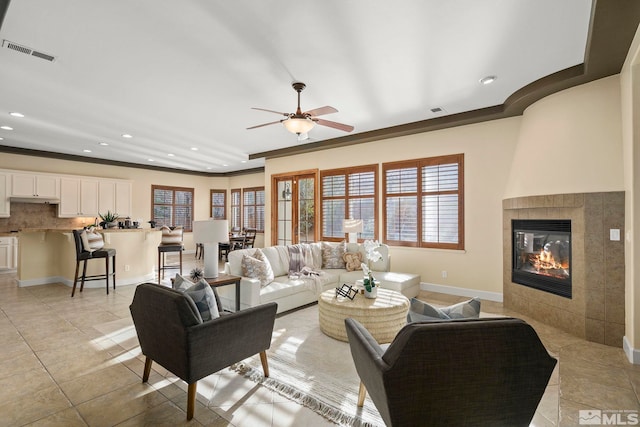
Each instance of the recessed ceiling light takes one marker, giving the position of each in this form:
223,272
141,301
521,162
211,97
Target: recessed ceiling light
194,148
225,165
104,144
6,127
243,161
16,114
126,135
488,80
171,155
86,150
151,160
1,139
209,168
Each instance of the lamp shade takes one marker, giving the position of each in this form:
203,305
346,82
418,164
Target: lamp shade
298,125
352,226
211,231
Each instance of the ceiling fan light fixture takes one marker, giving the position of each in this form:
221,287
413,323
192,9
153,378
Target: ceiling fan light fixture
298,125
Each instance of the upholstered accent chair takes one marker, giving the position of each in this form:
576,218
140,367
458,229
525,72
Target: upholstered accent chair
479,372
172,334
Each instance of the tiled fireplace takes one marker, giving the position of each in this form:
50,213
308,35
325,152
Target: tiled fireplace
578,256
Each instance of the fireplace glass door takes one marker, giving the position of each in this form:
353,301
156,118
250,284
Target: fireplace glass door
542,255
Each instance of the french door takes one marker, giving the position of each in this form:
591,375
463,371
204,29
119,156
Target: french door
295,202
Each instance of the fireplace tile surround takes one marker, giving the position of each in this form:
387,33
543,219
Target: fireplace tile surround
596,310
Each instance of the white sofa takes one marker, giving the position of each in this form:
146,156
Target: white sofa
291,293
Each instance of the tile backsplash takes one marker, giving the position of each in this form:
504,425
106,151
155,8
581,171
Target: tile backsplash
39,215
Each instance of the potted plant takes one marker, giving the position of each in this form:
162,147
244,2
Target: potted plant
370,283
109,219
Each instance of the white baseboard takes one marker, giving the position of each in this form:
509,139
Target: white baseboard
463,292
633,355
92,284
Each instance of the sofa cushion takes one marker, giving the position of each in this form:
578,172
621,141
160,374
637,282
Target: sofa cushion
181,283
257,267
353,260
202,295
421,311
332,255
278,257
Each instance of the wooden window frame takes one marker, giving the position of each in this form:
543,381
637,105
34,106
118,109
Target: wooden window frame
189,223
347,197
419,194
255,205
224,204
232,206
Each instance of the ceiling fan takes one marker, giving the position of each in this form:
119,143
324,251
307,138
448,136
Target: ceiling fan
302,122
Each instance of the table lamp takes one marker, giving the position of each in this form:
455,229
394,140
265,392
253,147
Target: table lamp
210,233
352,227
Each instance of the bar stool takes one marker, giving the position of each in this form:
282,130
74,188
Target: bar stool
171,242
84,255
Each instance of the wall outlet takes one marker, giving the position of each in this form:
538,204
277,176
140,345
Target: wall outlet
127,267
444,274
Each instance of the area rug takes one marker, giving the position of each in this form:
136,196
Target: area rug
312,369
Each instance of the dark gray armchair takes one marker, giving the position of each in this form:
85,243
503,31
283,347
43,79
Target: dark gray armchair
171,334
479,372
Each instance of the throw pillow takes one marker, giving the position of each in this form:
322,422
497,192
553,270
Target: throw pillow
202,295
171,237
332,255
353,260
257,267
91,240
181,283
422,311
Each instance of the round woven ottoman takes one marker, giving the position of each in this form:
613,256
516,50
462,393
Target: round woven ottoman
383,316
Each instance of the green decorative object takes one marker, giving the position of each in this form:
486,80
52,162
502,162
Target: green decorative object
109,219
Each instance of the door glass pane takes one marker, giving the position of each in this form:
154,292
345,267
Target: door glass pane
284,221
306,210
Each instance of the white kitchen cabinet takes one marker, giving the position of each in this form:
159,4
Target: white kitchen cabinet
5,190
115,196
123,198
8,253
34,185
78,197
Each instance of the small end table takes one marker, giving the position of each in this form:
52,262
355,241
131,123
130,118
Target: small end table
224,280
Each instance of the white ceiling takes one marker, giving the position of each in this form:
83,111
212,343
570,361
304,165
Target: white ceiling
183,75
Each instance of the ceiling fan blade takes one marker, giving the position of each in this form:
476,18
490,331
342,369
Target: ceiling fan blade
321,111
265,124
335,125
270,111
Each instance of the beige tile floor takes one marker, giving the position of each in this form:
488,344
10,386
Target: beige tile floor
57,369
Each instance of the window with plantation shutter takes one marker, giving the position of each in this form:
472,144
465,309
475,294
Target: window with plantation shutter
349,193
219,204
236,217
172,206
253,208
424,202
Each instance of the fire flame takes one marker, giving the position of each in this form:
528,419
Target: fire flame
545,261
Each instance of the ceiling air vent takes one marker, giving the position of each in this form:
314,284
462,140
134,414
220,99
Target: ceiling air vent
27,50
437,110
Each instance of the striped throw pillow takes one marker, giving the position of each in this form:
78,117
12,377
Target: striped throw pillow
171,237
91,240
